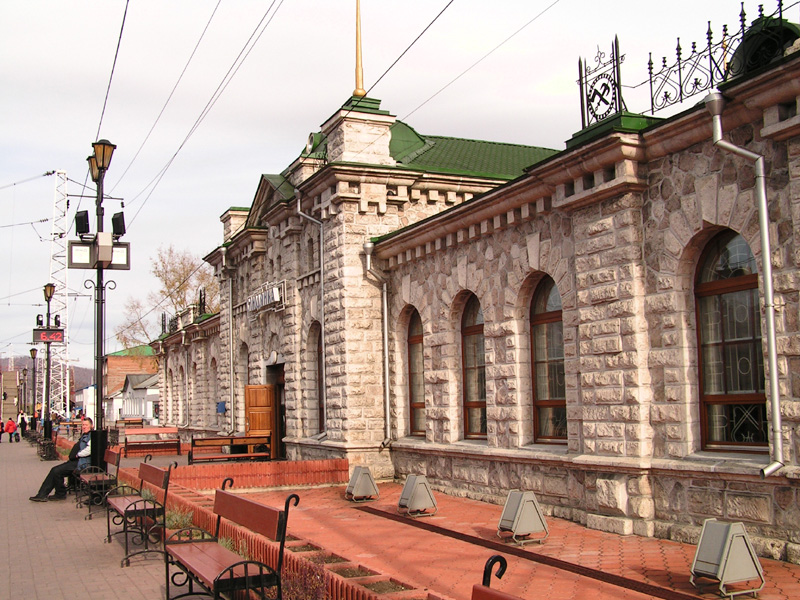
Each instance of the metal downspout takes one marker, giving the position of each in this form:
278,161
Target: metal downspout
185,380
368,248
232,390
715,103
324,390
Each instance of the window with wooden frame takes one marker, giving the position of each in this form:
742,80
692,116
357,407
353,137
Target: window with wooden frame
416,376
315,383
474,370
733,411
319,382
547,359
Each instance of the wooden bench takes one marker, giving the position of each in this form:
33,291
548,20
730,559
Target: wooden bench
95,482
47,447
483,591
155,441
129,423
137,514
256,447
215,568
67,428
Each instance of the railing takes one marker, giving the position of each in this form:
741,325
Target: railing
735,54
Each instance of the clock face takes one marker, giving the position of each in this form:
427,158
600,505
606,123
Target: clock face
48,335
601,98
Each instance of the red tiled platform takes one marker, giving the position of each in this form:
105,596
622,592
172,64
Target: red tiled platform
574,562
448,567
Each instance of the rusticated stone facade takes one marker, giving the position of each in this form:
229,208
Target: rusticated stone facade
619,222
622,243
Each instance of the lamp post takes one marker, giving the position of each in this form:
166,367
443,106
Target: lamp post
23,406
47,426
98,165
33,391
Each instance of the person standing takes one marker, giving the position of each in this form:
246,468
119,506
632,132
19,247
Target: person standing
11,429
22,423
79,458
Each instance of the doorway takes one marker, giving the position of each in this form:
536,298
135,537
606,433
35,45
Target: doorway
265,411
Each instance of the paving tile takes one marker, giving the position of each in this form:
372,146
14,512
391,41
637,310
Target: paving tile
51,551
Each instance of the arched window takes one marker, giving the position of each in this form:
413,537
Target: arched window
416,376
547,358
216,416
311,264
315,407
320,383
733,408
474,366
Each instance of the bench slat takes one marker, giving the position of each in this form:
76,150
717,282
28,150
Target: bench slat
95,478
231,441
174,443
257,517
202,457
202,448
481,592
152,474
120,504
205,559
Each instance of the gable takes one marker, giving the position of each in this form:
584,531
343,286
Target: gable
272,190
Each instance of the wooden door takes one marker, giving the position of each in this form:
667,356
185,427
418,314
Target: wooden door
259,410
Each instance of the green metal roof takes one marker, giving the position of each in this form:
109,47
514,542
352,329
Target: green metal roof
283,185
621,122
143,350
463,156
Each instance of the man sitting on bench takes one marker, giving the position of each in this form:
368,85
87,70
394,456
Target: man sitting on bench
79,458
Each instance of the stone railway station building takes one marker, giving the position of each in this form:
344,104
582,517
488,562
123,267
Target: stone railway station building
588,324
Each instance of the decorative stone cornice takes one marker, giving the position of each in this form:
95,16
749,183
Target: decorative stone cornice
598,170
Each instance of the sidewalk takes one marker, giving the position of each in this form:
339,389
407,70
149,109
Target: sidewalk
49,552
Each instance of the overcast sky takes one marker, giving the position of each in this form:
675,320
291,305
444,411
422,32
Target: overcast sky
56,58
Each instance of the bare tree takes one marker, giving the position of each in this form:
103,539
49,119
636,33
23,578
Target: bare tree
181,276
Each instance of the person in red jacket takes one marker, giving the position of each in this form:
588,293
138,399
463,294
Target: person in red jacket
11,429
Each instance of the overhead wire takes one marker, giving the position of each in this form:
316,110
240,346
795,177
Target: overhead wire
34,178
171,94
113,67
108,90
239,60
215,96
227,78
397,60
459,76
45,220
484,57
394,63
160,302
411,45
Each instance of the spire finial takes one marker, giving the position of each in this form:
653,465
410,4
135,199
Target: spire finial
359,91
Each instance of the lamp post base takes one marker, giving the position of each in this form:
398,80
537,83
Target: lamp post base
99,445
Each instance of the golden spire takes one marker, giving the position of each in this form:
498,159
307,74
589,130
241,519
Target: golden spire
359,91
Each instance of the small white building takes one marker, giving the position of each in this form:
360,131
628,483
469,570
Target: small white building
139,398
84,401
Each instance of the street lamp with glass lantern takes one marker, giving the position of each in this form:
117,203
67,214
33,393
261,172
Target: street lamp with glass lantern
47,428
34,351
98,165
23,406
